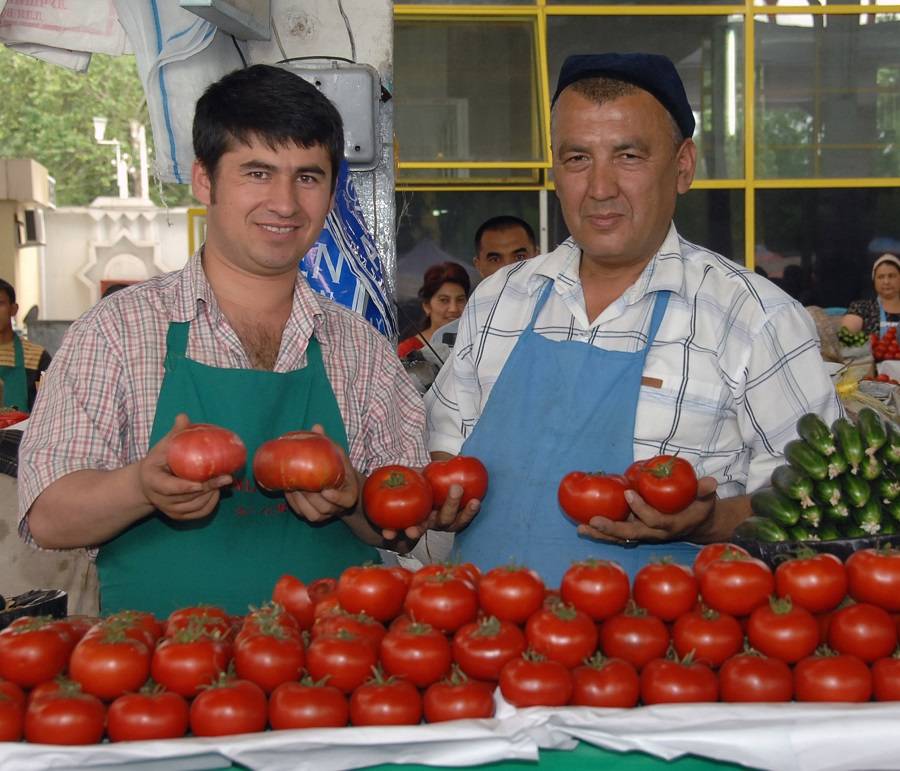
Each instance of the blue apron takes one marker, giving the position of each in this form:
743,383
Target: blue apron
556,407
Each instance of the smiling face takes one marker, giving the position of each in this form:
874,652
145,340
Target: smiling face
887,281
265,207
445,305
618,173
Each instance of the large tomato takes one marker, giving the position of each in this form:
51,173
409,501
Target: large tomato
465,471
665,589
67,716
385,701
664,681
150,714
345,659
417,653
203,451
299,460
886,679
712,552
199,618
465,571
188,662
269,658
749,677
817,582
397,497
482,648
596,587
443,602
12,719
359,624
372,589
603,682
458,698
533,681
667,483
308,704
783,631
712,636
874,576
229,707
511,593
862,630
832,678
634,636
583,496
109,664
736,584
562,634
291,593
32,650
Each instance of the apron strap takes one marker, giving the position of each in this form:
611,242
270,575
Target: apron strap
176,342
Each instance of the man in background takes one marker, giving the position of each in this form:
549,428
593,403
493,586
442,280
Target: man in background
501,241
21,361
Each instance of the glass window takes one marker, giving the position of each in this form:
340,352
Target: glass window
643,2
827,96
708,52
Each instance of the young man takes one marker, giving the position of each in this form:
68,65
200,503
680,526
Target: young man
501,241
236,338
21,361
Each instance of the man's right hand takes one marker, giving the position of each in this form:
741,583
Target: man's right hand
175,497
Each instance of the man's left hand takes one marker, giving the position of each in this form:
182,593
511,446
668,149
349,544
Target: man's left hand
649,525
332,501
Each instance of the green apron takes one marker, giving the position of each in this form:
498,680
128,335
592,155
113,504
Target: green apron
233,557
15,383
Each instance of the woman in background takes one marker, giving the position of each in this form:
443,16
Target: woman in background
876,315
443,295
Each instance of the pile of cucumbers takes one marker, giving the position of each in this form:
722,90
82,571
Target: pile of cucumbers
852,339
842,482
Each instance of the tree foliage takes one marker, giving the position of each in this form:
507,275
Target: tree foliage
46,114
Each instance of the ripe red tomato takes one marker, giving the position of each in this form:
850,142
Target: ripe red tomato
417,653
185,667
359,624
229,707
817,582
712,636
736,584
12,718
712,552
533,681
783,631
308,705
481,648
886,679
667,483
465,471
874,576
291,593
562,633
32,650
109,664
832,678
465,571
748,677
397,497
678,682
373,589
583,496
137,624
665,589
203,451
390,701
147,715
345,659
207,618
634,636
299,460
9,417
9,690
603,682
863,630
511,593
458,698
269,658
442,602
65,717
596,587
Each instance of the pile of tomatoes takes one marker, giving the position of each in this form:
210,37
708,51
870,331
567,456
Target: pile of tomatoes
9,417
885,347
386,646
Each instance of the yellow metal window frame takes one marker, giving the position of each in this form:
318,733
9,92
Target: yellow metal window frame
540,11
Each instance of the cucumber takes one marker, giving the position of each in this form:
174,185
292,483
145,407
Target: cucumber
794,484
893,509
870,468
888,488
805,459
761,529
871,429
838,513
829,532
890,453
837,465
803,533
776,506
868,517
852,530
815,433
811,516
849,442
828,491
856,491
888,527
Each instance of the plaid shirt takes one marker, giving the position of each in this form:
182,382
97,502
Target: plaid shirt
96,406
734,364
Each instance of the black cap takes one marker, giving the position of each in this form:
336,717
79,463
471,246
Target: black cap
651,72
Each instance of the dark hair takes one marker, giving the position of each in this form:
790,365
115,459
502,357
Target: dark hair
443,273
268,103
113,288
503,222
5,286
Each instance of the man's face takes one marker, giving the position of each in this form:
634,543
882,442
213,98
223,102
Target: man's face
8,312
503,247
618,174
265,207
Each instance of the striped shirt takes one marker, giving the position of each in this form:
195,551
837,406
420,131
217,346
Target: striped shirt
98,400
734,364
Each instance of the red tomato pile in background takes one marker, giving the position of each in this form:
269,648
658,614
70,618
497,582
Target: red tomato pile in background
385,646
9,417
885,347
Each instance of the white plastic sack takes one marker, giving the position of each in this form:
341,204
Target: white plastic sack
76,25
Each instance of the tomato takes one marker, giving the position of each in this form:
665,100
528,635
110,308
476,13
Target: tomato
207,618
678,682
137,624
562,633
442,602
65,717
229,707
188,662
667,483
510,593
736,584
665,589
458,698
711,553
874,576
634,636
603,682
321,589
817,582
783,631
417,653
596,587
372,589
308,704
12,718
269,658
533,681
749,677
109,664
9,417
345,659
152,714
203,451
886,678
583,496
299,460
9,690
291,593
465,571
385,701
862,630
363,626
712,636
397,497
32,650
268,619
404,574
465,471
832,678
482,648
